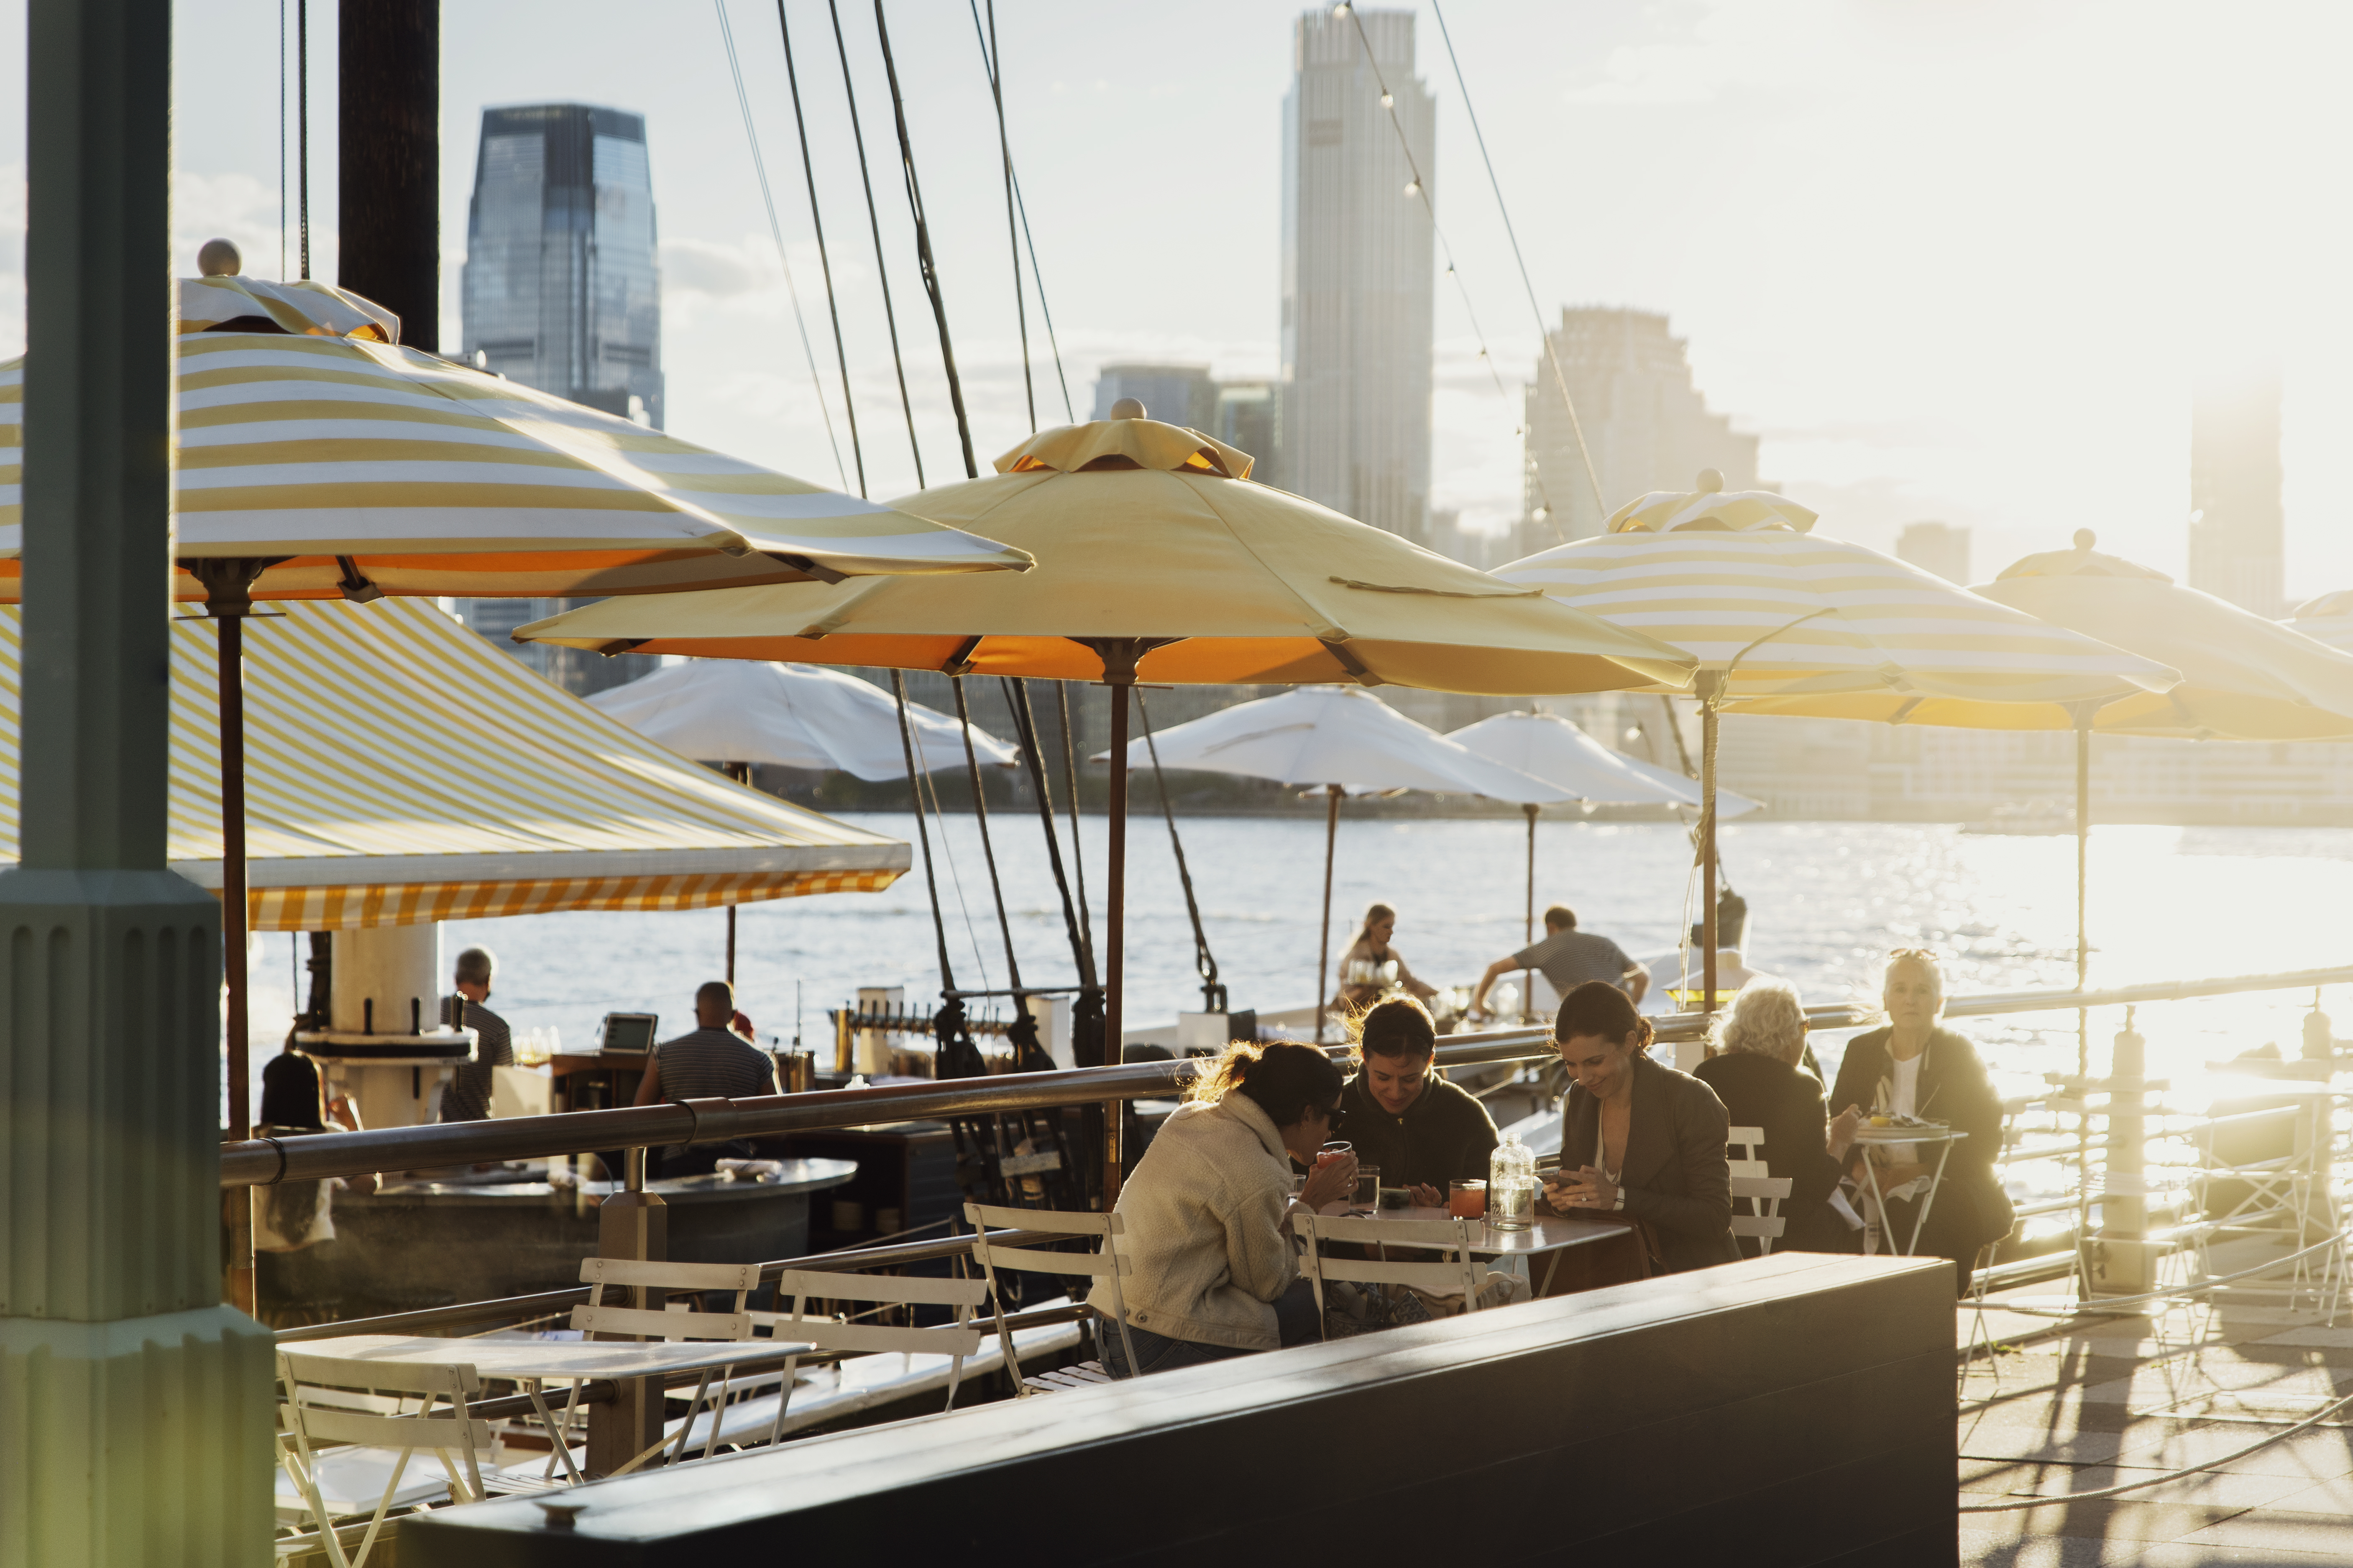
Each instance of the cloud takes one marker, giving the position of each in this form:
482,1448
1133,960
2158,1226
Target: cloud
717,269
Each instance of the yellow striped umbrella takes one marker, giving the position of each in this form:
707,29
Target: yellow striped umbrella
1740,583
2328,618
403,770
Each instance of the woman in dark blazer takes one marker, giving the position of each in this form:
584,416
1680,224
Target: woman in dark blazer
1638,1138
1913,1067
1758,1042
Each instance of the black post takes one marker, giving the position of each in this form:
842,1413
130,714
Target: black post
389,160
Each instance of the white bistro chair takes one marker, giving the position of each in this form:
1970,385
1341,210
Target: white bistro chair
646,1315
1106,1263
1458,1269
1752,1179
319,1410
956,1340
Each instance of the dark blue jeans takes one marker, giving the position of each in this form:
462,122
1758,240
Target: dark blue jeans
1295,1322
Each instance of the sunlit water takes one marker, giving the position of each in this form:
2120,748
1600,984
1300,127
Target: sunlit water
1827,901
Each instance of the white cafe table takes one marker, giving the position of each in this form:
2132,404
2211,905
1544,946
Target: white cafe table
1944,1138
1613,1251
534,1361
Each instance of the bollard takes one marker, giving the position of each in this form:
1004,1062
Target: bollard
2123,1263
631,1224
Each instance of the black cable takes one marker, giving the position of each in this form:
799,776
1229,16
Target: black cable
989,56
1078,844
824,257
874,225
924,258
980,815
1024,730
1213,995
923,833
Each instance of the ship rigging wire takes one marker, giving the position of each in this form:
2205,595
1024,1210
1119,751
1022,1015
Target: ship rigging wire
824,255
990,57
924,257
874,227
776,232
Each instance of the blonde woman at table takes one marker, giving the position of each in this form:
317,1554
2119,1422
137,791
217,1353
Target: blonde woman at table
1208,1214
1914,1068
1757,1047
1639,1140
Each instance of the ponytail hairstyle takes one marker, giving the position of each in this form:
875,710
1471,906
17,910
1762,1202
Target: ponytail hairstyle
1285,1078
1400,1026
1598,1007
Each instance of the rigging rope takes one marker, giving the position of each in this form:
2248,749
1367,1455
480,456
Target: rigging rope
1419,187
990,57
1213,994
923,836
924,244
824,257
874,227
1037,280
282,141
947,853
776,232
1024,730
1078,844
988,850
1577,425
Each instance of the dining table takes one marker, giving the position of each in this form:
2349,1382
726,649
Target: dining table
1557,1255
1917,1140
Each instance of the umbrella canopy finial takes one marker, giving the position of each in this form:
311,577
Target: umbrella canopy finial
1710,481
2085,539
1128,408
219,258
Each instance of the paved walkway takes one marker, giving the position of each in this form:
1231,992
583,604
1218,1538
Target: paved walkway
2103,1403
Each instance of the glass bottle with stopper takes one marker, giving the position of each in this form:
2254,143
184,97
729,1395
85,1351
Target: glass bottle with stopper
1512,1185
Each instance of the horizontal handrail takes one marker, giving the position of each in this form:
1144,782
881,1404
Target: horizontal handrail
266,1160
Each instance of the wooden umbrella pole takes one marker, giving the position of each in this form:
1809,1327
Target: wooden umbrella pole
1115,913
1528,921
1323,946
1711,687
742,774
233,894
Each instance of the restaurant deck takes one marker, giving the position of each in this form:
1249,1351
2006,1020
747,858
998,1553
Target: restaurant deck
2093,1405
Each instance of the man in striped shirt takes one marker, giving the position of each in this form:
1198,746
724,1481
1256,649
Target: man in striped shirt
712,1061
467,1096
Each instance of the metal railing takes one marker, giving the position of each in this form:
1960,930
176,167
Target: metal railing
262,1161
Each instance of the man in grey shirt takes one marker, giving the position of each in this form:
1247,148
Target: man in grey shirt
1568,958
467,1096
712,1061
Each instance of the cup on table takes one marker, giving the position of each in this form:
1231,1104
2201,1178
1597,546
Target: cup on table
1368,1189
1466,1200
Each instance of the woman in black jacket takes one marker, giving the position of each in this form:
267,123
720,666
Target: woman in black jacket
1638,1138
1756,1046
1914,1068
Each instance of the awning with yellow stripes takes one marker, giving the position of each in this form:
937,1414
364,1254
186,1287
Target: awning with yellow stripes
399,770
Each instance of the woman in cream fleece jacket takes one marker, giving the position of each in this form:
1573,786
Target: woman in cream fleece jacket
1206,1214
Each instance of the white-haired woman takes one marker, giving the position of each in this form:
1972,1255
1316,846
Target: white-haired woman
1757,1046
1915,1067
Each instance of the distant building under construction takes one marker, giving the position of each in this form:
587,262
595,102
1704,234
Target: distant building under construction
1645,425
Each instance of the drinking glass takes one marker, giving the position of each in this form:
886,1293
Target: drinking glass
1466,1200
1368,1189
1331,1151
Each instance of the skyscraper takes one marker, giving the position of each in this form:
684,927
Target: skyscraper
561,287
2237,526
1646,426
1357,270
1939,547
562,292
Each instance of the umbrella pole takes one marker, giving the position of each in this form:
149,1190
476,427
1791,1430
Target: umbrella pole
1528,923
1115,920
1710,688
231,682
1323,946
742,774
2083,926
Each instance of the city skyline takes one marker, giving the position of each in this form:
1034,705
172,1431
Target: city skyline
1866,304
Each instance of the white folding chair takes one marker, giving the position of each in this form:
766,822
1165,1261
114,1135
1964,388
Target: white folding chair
956,1340
316,1414
1752,1179
1459,1271
1108,1263
648,1316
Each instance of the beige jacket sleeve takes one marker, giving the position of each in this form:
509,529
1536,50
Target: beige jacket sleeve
1258,1257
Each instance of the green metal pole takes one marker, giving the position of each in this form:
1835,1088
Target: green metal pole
135,1410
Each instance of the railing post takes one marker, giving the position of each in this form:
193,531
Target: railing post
631,1224
2125,1262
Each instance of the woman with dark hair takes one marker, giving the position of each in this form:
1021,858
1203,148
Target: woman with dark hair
1208,1214
1371,968
1638,1138
1402,1114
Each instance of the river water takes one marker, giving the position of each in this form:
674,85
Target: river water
1827,901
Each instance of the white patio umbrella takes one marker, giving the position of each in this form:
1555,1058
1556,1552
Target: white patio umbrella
1340,739
1555,750
739,712
790,716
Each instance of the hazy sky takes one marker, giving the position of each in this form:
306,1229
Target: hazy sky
1951,261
